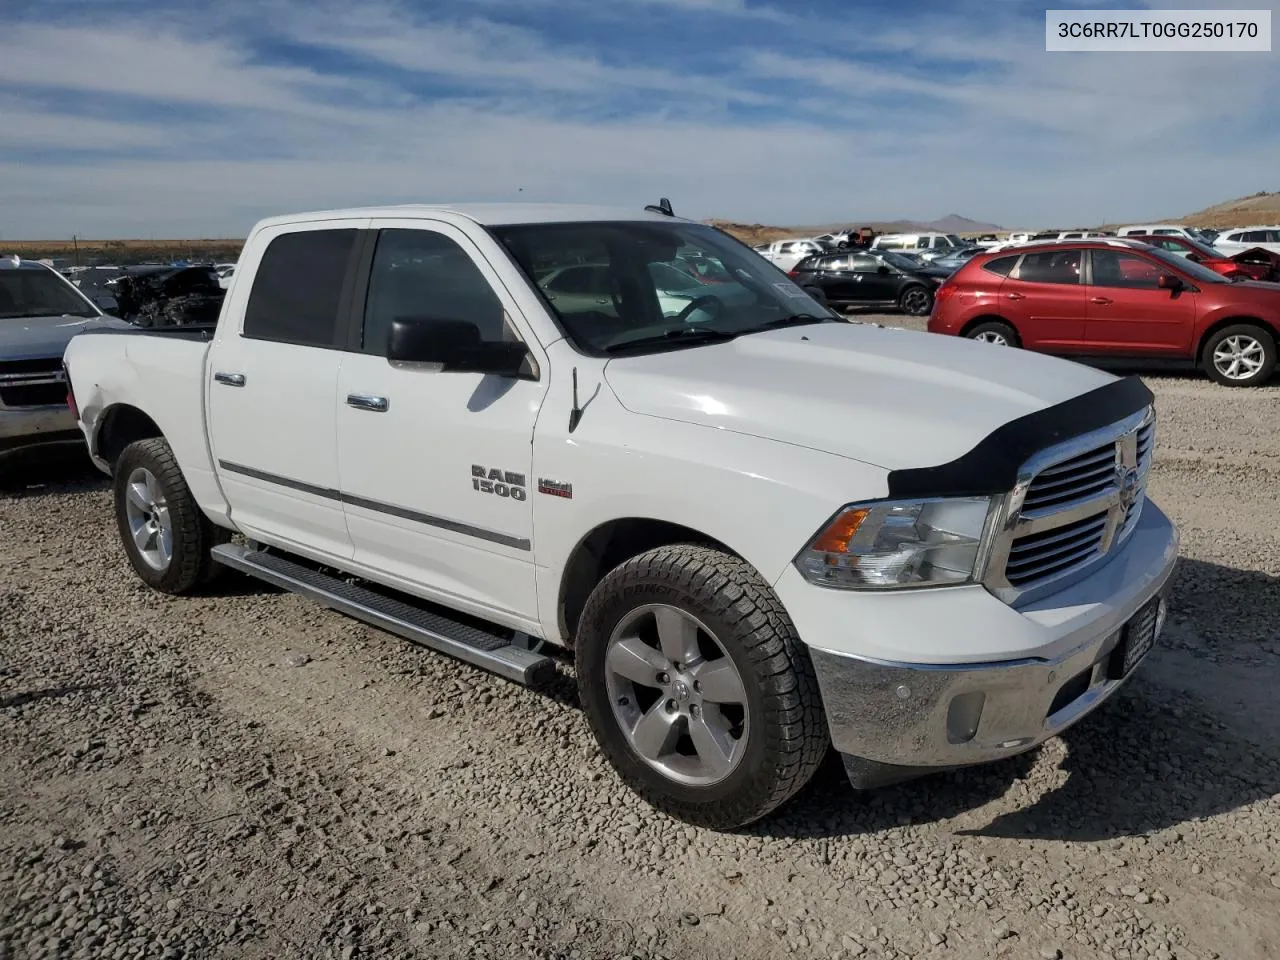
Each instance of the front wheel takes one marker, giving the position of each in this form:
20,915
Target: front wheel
916,301
697,687
165,535
1241,355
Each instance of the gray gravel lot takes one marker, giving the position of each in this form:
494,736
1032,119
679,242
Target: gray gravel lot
246,775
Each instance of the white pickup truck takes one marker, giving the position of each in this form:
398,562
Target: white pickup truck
761,530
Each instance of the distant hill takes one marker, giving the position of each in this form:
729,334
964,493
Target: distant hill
1259,208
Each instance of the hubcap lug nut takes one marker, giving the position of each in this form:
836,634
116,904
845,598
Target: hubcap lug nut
664,678
695,711
671,706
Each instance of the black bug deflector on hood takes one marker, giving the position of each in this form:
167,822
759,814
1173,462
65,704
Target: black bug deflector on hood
992,466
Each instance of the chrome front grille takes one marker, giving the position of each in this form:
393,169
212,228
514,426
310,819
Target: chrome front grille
32,383
1072,508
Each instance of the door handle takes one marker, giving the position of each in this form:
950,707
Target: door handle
230,379
1015,296
362,401
602,300
1102,300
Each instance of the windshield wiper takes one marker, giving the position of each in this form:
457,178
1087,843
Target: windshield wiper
681,335
792,320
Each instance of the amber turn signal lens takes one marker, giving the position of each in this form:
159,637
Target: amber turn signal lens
835,539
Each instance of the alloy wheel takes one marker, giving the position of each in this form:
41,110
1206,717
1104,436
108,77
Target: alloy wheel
149,523
1239,357
677,696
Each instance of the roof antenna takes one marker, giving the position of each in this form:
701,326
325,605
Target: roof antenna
576,413
663,207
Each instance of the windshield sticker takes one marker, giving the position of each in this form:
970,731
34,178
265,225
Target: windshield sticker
791,290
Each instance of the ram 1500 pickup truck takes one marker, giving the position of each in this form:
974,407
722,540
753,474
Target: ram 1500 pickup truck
761,530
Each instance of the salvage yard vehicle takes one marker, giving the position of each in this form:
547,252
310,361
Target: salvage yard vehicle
871,279
40,311
1252,264
761,530
1119,299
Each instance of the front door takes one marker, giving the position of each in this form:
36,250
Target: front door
272,384
873,280
435,466
1129,313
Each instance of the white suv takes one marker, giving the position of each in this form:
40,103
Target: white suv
1240,239
924,245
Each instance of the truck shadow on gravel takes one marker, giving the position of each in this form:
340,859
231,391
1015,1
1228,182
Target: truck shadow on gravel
45,470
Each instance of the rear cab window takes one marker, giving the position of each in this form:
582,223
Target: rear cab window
299,288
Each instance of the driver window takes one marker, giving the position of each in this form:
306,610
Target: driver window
423,274
861,263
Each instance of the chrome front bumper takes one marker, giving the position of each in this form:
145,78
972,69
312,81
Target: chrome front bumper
912,717
28,426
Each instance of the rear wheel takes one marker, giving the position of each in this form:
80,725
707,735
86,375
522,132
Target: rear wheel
1242,355
994,332
166,536
916,301
697,688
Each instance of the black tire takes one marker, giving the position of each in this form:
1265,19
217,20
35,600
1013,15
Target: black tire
1243,333
787,735
996,328
191,564
916,301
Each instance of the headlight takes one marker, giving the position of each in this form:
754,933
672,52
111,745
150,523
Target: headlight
900,543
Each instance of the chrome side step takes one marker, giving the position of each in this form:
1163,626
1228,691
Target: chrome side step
479,647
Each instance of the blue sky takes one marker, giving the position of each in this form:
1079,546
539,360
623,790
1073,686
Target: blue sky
124,118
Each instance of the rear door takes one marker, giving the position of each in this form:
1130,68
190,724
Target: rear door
435,466
1044,299
1129,314
273,375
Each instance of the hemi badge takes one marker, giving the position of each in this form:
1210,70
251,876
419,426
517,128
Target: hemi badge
555,489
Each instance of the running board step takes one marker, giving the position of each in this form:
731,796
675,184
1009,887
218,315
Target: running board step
478,647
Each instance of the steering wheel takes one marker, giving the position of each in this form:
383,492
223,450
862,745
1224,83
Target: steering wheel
704,301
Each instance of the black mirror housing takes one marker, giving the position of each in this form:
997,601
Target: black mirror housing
455,345
882,270
1169,281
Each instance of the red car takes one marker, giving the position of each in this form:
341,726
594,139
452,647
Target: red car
1114,299
1256,264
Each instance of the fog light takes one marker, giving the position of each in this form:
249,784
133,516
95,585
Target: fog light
963,716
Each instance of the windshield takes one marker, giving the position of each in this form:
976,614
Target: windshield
39,293
1194,270
1205,250
899,261
649,286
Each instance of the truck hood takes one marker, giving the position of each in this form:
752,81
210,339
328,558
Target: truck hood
34,338
892,398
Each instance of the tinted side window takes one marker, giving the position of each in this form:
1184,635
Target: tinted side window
298,288
1253,236
1002,266
1111,269
419,274
1052,266
862,263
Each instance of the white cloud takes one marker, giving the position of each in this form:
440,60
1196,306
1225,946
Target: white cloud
1018,136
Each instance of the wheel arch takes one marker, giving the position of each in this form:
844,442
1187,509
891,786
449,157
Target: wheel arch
609,545
1236,320
120,425
989,318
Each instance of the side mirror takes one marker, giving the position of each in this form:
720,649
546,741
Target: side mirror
106,303
1195,258
455,345
1168,281
882,270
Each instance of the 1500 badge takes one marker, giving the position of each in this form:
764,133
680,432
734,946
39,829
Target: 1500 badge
501,483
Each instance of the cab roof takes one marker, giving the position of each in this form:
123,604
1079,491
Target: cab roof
486,214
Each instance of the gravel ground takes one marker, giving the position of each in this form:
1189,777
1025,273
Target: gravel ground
246,775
